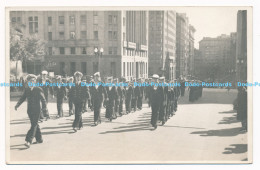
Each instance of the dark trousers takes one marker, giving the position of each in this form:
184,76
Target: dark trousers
60,106
134,104
35,128
162,112
110,109
78,115
71,107
139,103
128,106
168,109
97,107
85,104
182,91
116,106
155,114
121,106
45,114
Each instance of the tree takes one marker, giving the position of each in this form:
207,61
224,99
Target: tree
25,49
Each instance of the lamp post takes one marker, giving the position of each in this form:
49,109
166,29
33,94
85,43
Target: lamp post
98,52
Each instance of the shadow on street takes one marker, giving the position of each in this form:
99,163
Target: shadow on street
220,132
236,149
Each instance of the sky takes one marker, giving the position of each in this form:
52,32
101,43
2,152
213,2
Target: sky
211,21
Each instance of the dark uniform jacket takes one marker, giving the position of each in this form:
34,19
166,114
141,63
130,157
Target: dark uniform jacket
112,95
46,88
60,92
97,94
79,93
129,93
34,97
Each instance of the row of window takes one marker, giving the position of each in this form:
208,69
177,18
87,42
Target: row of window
83,50
83,35
128,69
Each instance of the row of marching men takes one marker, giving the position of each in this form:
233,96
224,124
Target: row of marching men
162,100
114,97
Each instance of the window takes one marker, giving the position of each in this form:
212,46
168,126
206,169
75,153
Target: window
62,50
72,50
18,19
72,68
95,20
84,68
115,50
114,19
83,19
83,35
110,50
95,67
61,35
115,35
110,35
95,13
33,24
13,19
49,21
110,19
72,20
49,36
62,67
96,35
61,20
50,50
72,35
84,51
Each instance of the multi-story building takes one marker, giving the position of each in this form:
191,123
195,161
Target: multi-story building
218,57
190,63
72,36
241,46
182,44
162,43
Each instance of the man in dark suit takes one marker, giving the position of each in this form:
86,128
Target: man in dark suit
46,89
97,91
71,105
163,102
140,95
156,98
135,96
121,95
35,97
61,94
129,94
112,96
78,93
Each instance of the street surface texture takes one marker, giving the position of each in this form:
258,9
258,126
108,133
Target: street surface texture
203,131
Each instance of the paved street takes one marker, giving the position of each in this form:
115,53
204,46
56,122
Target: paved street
204,130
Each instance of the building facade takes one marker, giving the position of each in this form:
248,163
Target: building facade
241,46
162,43
190,63
218,57
182,44
72,36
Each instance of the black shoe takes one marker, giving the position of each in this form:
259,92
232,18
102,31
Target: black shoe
27,144
48,117
75,130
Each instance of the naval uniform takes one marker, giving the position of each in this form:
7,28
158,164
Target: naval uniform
35,97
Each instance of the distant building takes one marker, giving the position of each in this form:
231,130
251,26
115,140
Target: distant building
182,44
241,46
162,43
72,36
218,57
190,63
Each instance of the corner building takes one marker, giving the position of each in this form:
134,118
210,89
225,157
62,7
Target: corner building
72,36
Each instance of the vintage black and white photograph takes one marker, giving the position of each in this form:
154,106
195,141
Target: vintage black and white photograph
130,85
